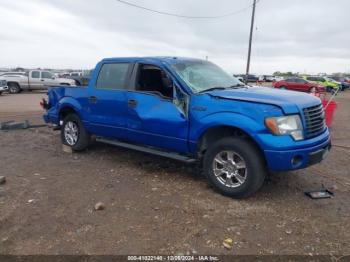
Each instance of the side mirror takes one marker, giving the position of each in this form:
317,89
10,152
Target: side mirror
53,77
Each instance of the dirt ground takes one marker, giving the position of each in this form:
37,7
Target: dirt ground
159,206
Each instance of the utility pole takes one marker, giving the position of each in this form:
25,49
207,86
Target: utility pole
250,41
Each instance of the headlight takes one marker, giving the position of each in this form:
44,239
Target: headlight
286,125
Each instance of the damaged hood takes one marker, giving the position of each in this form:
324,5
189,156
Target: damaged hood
290,101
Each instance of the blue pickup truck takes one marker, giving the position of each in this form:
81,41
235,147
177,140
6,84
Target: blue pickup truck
191,110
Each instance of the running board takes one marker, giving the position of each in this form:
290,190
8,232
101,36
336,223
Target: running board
149,150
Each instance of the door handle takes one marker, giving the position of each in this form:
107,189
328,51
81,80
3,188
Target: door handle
92,99
42,80
132,103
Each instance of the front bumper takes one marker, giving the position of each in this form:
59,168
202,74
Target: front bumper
3,88
297,158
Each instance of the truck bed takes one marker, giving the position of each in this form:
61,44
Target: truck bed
56,93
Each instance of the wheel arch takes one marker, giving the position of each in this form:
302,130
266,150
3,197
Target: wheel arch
65,111
218,132
14,82
69,105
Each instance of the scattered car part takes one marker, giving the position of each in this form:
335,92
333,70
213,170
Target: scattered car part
2,180
320,194
12,125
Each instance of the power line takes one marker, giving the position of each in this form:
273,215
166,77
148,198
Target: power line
185,16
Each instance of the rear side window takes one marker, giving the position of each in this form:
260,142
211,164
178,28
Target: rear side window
47,75
35,74
112,76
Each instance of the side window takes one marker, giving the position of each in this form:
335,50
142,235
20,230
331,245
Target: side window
290,80
112,76
35,74
153,79
46,75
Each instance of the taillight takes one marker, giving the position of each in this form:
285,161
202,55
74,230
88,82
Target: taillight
44,104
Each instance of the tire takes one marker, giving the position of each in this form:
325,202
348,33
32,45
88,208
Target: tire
74,134
0,93
14,88
244,153
283,88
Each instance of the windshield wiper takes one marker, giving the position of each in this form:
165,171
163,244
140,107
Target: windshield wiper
213,88
238,86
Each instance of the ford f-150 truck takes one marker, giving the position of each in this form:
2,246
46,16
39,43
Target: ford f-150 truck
34,80
191,110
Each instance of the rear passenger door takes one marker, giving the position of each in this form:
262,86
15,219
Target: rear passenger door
107,101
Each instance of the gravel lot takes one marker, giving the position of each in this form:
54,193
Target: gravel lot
157,206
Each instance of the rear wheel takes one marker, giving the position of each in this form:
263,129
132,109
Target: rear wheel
73,133
14,88
234,167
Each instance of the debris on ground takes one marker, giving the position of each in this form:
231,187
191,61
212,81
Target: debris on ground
31,201
228,243
320,194
12,125
99,206
289,231
2,180
67,149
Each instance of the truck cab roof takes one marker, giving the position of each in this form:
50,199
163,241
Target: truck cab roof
159,59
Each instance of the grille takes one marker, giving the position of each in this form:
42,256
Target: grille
314,120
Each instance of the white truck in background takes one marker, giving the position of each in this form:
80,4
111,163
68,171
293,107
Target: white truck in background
34,80
3,85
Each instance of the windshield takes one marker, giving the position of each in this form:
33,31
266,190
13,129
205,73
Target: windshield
203,75
330,79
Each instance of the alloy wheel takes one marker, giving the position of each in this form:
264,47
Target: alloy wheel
230,169
71,133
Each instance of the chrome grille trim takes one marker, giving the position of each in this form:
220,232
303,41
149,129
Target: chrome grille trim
314,120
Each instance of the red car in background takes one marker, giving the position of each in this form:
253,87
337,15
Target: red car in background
298,84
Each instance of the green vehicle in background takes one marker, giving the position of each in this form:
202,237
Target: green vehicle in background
328,83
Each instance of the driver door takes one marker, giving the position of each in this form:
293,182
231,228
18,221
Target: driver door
155,119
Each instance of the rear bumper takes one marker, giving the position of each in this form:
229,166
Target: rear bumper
297,158
50,118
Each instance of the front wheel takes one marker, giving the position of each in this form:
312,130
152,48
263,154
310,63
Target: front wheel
14,88
73,133
234,167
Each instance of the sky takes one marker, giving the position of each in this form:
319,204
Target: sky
306,36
